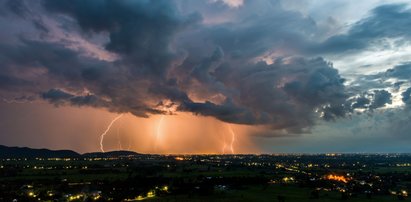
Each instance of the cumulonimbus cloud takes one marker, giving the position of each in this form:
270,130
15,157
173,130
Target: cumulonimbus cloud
169,59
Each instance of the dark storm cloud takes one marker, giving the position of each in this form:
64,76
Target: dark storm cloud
18,7
10,82
402,71
145,54
227,112
258,33
370,101
406,96
381,98
386,21
58,60
394,122
166,59
35,66
146,40
395,78
56,95
141,31
201,72
60,97
64,68
361,102
284,94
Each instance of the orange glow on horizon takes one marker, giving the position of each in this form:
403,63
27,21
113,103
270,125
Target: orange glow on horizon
181,133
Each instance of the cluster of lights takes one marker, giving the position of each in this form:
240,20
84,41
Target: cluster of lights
339,178
288,179
404,165
75,197
400,193
150,194
179,158
32,194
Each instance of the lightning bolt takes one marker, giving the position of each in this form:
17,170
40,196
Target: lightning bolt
106,131
129,144
230,146
158,132
233,137
119,139
224,146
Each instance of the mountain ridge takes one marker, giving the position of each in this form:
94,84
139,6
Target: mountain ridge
27,152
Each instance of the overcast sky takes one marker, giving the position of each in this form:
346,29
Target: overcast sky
211,76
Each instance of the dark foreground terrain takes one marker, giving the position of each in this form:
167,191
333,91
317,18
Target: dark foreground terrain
128,176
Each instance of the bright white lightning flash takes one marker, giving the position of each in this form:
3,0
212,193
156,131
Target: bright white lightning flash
106,131
231,145
232,139
158,132
119,139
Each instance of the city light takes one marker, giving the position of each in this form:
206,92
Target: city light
179,158
339,178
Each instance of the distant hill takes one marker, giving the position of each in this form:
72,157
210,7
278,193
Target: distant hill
110,154
25,152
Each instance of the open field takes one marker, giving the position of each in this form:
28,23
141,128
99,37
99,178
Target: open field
290,178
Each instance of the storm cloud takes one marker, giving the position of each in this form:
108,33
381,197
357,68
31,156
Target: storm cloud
385,22
251,68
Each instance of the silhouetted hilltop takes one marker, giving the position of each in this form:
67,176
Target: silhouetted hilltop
25,152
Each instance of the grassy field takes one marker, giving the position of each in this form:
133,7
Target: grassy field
291,193
393,170
191,181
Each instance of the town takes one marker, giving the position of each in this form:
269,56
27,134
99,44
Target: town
276,177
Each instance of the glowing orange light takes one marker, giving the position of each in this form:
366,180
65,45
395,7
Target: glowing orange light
224,147
179,158
339,178
158,133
